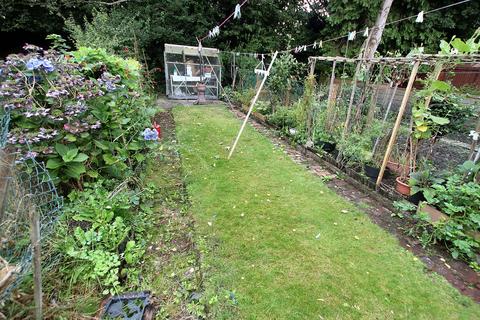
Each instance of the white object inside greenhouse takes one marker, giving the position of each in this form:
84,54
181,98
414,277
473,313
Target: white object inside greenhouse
185,67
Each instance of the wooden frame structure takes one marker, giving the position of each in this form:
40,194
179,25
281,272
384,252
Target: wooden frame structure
416,61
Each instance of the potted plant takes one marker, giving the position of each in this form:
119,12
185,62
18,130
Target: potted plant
401,182
421,183
324,141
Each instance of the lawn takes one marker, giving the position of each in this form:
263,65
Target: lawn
286,246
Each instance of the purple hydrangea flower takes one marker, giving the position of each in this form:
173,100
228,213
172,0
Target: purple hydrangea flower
36,63
150,134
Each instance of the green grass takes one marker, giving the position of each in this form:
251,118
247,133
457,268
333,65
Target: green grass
278,238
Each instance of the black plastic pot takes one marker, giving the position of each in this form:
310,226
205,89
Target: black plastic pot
371,172
416,198
129,306
326,146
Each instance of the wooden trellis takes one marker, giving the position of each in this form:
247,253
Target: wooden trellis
353,111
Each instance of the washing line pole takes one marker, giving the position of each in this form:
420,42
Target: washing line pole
252,104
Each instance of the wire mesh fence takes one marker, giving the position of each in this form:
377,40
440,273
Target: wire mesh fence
25,188
4,122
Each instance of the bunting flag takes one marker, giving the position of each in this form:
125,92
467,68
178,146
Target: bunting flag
237,14
320,45
200,46
365,34
315,45
352,35
419,17
474,135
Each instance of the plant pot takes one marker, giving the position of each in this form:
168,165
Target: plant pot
397,168
434,214
402,187
371,172
326,146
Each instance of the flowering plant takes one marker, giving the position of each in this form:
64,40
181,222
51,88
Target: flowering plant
86,100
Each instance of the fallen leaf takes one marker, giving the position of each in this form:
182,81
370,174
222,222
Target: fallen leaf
344,211
317,236
357,238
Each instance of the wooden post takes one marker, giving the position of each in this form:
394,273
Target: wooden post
352,96
398,122
331,92
390,102
252,104
6,164
37,262
312,66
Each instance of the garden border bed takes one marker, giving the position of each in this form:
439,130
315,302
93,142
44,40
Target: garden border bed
436,258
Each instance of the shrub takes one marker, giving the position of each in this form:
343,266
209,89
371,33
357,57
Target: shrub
81,112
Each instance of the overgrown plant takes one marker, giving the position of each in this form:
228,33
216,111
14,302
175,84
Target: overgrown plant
85,102
459,198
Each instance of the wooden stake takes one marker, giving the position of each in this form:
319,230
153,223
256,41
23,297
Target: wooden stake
398,122
312,67
352,96
37,262
252,104
331,91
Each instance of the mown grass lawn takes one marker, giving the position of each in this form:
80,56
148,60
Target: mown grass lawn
279,240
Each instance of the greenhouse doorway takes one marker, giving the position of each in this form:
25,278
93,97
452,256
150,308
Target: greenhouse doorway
186,67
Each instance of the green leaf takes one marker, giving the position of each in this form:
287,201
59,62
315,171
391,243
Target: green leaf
444,47
440,85
81,157
54,163
109,159
70,155
439,120
422,128
61,149
74,170
134,146
139,157
461,46
93,173
101,144
70,138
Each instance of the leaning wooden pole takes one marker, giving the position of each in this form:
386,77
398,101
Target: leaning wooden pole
252,104
398,122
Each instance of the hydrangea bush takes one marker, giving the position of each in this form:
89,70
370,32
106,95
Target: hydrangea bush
82,113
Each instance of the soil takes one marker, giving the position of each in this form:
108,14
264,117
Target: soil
380,210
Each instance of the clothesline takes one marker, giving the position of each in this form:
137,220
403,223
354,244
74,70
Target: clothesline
319,43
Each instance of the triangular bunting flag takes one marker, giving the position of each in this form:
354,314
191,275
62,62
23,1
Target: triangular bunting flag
237,14
351,35
365,33
419,17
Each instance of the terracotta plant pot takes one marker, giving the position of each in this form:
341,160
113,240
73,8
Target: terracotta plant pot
397,168
402,187
434,214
